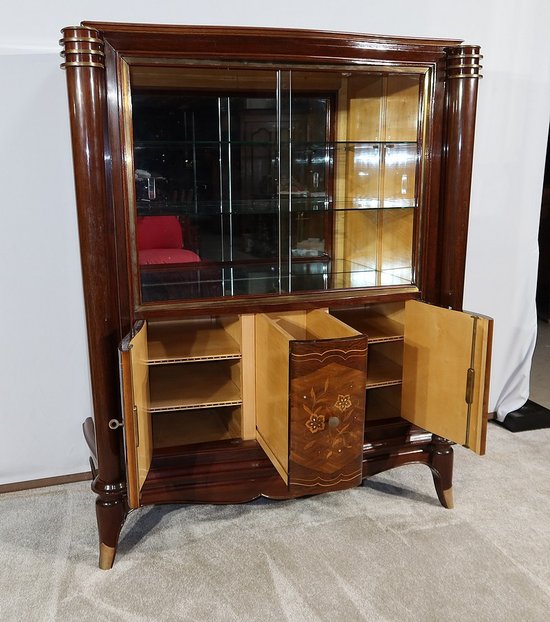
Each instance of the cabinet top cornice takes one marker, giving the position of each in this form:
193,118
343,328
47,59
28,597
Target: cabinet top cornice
143,39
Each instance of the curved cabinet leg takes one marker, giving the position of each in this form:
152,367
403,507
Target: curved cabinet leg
111,511
441,464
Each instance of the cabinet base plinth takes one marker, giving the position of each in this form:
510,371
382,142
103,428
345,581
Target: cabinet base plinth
239,471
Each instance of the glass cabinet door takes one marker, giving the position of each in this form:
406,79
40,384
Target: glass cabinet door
270,181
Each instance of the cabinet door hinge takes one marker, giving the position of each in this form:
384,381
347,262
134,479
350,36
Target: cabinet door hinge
470,381
136,426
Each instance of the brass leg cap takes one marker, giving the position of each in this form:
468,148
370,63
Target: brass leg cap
448,496
106,556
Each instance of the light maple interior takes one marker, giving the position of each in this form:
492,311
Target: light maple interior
189,386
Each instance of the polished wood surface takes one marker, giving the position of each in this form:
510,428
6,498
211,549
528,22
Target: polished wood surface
83,55
235,471
327,413
235,43
100,60
463,74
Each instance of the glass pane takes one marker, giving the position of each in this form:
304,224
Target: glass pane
376,160
206,179
263,182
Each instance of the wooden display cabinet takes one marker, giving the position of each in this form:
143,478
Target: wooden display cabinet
273,234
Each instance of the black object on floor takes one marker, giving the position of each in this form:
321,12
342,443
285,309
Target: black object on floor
530,416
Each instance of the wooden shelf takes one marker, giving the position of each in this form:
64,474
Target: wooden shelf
192,340
184,387
382,370
202,426
378,328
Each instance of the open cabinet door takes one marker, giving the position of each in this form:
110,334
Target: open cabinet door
138,441
446,362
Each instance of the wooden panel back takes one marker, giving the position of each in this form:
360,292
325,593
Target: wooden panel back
396,239
402,105
365,108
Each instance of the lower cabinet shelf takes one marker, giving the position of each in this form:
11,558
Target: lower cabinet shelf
193,386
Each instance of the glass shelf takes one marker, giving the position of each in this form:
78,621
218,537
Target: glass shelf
178,144
186,281
268,206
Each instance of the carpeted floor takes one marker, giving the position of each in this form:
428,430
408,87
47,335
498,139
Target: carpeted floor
385,552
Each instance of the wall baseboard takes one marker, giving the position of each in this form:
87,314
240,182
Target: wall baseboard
46,481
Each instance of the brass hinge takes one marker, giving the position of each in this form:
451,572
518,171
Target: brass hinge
136,427
470,381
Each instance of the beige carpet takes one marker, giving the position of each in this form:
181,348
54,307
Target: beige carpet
384,552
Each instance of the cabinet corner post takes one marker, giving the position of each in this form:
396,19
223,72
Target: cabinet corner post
463,72
83,55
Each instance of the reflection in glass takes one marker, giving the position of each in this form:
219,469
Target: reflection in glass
246,184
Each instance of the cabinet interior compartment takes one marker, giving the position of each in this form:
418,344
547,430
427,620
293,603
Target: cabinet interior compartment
384,325
200,339
194,385
381,322
383,403
196,373
189,427
186,382
385,364
269,181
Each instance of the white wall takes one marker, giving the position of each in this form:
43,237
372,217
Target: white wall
44,387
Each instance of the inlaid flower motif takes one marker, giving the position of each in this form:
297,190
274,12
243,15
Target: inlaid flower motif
343,402
315,423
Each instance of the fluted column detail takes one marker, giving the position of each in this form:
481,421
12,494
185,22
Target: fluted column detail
462,75
83,56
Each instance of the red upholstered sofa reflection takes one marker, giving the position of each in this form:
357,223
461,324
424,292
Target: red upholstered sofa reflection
160,241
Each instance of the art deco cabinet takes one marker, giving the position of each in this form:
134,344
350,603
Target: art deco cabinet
273,233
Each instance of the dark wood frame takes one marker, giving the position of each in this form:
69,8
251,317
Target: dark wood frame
94,54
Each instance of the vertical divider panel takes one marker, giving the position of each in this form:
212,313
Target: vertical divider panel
272,347
248,376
